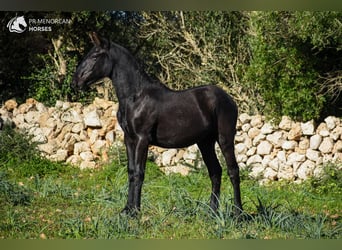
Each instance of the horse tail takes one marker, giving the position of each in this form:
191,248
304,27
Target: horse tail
226,112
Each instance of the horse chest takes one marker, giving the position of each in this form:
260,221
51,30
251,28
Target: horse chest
136,117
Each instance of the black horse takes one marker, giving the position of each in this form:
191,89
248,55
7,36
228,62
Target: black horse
152,114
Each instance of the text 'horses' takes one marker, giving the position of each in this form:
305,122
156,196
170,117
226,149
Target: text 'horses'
152,114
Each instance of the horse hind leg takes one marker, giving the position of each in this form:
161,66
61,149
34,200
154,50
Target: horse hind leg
215,171
226,143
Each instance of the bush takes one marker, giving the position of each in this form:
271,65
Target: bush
52,80
283,68
16,146
47,86
19,154
12,193
329,182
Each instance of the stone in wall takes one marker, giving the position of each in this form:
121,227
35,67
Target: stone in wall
326,145
264,148
306,169
276,138
323,130
167,156
308,128
285,123
295,132
293,144
256,121
10,105
315,141
92,119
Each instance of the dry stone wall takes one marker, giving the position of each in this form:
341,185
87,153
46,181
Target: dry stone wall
82,135
289,150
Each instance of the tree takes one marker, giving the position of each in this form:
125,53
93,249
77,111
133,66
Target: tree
289,52
323,30
188,49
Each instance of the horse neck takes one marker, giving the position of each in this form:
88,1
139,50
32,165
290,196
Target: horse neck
129,78
126,82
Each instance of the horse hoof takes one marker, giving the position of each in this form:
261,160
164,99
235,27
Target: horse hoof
131,212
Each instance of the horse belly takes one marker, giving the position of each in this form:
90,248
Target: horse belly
181,129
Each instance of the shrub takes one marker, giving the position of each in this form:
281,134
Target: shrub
329,182
46,85
16,145
14,194
20,154
52,81
283,68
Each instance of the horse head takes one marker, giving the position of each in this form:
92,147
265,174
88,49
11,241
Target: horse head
21,21
95,65
16,24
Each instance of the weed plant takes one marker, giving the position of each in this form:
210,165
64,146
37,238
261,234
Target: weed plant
57,201
19,154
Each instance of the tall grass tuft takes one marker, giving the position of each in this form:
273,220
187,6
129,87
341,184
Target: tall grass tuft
13,193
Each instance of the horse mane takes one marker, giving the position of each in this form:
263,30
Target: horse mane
139,67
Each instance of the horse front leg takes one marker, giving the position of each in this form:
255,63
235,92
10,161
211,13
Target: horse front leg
137,156
130,151
139,170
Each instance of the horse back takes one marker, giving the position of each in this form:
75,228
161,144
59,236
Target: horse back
186,117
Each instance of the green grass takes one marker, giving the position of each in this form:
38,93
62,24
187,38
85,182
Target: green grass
40,199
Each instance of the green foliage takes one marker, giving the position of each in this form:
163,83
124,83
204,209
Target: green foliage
45,86
272,62
18,153
283,68
16,146
322,29
187,49
329,182
14,194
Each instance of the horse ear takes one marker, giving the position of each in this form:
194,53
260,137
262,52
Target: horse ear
95,39
98,41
